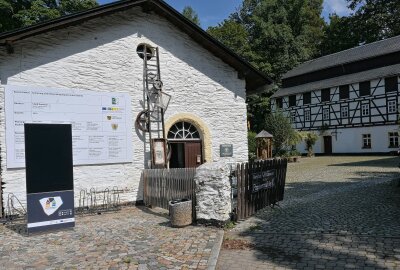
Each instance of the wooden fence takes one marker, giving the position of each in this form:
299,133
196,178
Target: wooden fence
164,185
259,184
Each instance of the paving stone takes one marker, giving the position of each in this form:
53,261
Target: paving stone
132,238
338,213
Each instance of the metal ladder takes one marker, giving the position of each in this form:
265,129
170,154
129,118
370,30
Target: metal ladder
152,76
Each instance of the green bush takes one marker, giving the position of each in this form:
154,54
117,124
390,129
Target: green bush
251,138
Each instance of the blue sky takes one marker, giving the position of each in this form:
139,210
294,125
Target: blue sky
212,12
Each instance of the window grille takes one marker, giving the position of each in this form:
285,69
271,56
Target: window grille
393,139
365,110
183,131
307,115
344,112
325,114
392,106
293,117
366,140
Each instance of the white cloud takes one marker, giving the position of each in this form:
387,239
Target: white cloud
336,6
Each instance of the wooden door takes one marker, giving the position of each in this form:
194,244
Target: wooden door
193,157
328,144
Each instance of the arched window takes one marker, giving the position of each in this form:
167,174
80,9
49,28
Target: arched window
183,131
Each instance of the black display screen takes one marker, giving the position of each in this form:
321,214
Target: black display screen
48,157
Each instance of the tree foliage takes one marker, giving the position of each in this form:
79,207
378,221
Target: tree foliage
252,144
310,138
190,14
281,128
372,20
274,35
15,14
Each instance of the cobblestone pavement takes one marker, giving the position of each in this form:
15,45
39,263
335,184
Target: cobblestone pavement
338,213
132,238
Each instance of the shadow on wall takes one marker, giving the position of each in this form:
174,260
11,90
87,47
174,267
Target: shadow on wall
100,31
346,226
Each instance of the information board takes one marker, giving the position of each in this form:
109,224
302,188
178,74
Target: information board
263,180
49,177
101,122
226,150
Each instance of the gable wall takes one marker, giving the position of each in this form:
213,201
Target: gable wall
101,55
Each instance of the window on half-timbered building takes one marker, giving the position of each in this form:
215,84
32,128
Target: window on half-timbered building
307,98
278,103
365,88
292,101
393,139
366,140
293,117
392,106
391,84
307,115
364,109
325,114
326,95
344,92
344,111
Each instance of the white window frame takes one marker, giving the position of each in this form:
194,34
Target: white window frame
293,116
392,106
307,115
344,112
366,141
365,110
326,114
393,139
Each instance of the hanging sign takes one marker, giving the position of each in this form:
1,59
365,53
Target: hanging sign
263,180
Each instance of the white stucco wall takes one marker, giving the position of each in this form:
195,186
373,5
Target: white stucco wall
101,55
349,140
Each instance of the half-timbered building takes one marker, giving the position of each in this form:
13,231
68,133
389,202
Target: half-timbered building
349,98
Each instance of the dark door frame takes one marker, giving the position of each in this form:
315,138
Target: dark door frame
188,141
328,150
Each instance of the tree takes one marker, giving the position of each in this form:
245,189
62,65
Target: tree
252,144
339,35
371,21
274,35
15,14
233,35
258,106
280,127
310,138
190,14
376,19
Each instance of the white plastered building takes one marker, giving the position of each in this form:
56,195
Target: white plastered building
96,50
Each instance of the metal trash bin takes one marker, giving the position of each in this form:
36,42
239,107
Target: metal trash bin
180,212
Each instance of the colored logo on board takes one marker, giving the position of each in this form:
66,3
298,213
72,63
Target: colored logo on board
51,204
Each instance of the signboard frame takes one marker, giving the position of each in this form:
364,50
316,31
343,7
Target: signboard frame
101,122
263,180
226,150
49,177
